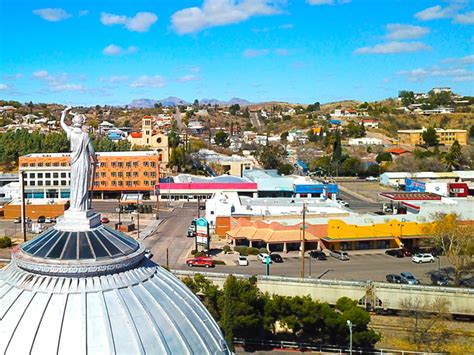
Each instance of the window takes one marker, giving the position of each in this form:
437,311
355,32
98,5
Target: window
152,174
40,164
114,174
40,175
128,174
128,164
135,183
114,164
63,183
120,174
63,164
145,173
135,164
146,183
55,175
153,182
129,183
32,164
32,175
48,182
55,182
102,164
63,175
47,164
32,183
135,174
120,164
120,183
153,164
102,183
56,164
102,174
145,164
114,183
48,175
24,164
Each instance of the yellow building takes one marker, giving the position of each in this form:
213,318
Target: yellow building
445,136
152,138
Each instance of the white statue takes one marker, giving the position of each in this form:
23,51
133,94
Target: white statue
82,151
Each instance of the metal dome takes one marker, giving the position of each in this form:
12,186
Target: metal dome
94,292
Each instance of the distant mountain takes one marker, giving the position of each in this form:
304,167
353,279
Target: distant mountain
174,101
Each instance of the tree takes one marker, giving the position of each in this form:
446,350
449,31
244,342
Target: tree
271,156
322,164
337,148
221,138
407,97
453,157
313,107
429,137
177,158
351,167
455,238
354,130
233,109
284,137
385,156
285,169
196,103
173,137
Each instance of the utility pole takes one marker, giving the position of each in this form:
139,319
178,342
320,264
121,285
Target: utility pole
199,206
349,324
303,241
23,207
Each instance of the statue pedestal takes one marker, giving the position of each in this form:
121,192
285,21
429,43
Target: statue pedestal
78,221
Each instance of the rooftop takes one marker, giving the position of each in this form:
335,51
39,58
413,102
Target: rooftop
103,154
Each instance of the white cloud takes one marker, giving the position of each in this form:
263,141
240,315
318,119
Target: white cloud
146,81
251,53
52,14
464,19
282,51
114,79
195,69
188,78
4,87
57,82
41,74
452,73
433,13
113,49
13,77
393,47
219,13
67,87
286,26
327,2
467,60
141,22
83,13
397,31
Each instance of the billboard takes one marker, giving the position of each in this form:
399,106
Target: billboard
414,186
202,231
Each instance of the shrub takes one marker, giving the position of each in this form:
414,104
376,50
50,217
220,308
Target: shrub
5,242
200,253
252,251
263,250
242,250
193,252
226,249
219,262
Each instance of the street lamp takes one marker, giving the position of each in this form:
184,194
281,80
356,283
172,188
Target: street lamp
136,213
303,239
349,324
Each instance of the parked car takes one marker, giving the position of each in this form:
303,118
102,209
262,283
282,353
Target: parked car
17,220
406,251
340,254
439,279
41,219
148,254
263,258
371,178
105,220
408,278
393,278
202,207
200,261
318,255
243,261
342,202
191,232
276,258
423,258
50,220
398,253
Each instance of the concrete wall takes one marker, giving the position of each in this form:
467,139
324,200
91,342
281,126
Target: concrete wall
378,295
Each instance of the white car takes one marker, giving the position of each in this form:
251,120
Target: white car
371,178
423,258
50,220
343,203
263,258
243,261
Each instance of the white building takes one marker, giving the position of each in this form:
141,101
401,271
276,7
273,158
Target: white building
365,141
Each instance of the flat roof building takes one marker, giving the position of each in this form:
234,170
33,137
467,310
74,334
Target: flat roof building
445,136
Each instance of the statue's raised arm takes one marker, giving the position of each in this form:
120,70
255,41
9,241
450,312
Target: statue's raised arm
64,114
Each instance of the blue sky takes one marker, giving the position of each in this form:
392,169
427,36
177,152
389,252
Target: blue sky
114,51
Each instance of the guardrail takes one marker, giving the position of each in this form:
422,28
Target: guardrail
371,295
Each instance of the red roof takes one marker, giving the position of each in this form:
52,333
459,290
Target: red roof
411,196
136,134
397,151
147,116
367,120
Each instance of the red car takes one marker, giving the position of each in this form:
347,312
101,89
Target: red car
200,261
406,252
105,220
